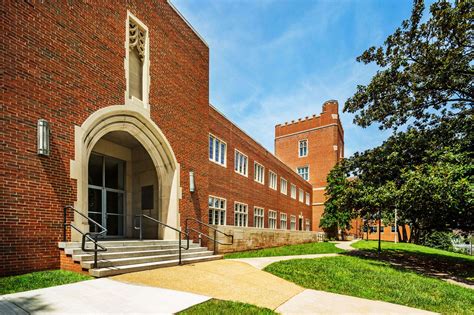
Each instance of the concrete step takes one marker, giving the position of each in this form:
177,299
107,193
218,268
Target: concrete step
111,271
141,260
128,254
116,243
115,249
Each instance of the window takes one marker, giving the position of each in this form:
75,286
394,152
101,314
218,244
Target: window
283,188
307,224
308,201
272,219
292,223
301,195
259,173
303,148
258,214
303,172
217,207
217,150
373,229
240,214
365,228
293,191
394,229
272,180
283,221
241,163
138,60
382,228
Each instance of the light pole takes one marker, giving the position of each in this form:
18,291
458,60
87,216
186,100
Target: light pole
396,227
380,224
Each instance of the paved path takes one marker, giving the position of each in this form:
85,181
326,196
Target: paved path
320,302
345,245
101,296
235,280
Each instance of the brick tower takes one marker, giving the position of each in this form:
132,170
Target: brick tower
312,146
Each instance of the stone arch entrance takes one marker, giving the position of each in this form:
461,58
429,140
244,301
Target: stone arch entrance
113,131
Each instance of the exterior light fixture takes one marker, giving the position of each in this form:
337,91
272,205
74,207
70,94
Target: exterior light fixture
191,181
43,137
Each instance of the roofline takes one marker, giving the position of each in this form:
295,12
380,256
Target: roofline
187,22
263,147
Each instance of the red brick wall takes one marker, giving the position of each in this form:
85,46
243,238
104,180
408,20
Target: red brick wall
224,182
62,62
66,263
323,133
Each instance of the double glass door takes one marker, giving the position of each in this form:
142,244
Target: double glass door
107,193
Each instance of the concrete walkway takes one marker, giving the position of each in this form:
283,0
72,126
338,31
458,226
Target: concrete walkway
235,280
101,296
345,245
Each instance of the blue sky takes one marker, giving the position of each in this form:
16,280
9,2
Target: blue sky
273,61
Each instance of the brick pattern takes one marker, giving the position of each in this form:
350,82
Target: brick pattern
325,137
66,263
62,62
224,182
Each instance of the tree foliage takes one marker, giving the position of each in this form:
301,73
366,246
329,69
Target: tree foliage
425,85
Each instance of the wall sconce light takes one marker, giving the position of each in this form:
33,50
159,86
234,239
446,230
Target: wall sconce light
191,182
43,137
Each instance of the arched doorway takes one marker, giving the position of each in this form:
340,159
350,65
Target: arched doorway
125,166
122,183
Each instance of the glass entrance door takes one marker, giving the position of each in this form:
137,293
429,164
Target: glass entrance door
107,193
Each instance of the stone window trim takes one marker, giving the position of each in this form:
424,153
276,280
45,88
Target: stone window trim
222,211
143,42
241,211
217,158
301,195
259,217
272,219
238,168
283,186
307,199
272,180
259,173
293,223
303,148
303,171
283,221
293,191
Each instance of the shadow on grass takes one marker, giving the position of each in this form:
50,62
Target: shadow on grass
429,264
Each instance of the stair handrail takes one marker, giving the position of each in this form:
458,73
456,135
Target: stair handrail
214,239
92,236
181,233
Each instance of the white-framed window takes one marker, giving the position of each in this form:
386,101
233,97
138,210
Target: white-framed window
283,221
308,199
301,195
303,172
292,223
259,173
283,186
217,209
307,225
241,164
293,191
258,217
272,179
241,212
217,150
272,219
303,148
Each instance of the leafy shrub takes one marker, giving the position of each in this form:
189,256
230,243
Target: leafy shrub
438,239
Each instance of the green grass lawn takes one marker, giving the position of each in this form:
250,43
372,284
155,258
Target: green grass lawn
408,247
299,249
429,261
225,307
376,280
38,280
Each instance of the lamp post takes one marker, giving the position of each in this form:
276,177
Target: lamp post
380,224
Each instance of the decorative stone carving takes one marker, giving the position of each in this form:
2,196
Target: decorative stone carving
137,39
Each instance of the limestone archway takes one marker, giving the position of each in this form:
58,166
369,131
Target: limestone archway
148,134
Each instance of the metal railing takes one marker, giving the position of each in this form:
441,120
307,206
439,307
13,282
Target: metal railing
215,230
92,236
181,233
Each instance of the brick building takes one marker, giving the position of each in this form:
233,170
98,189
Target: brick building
105,107
311,147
